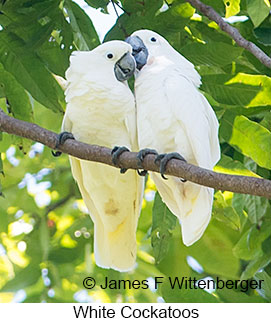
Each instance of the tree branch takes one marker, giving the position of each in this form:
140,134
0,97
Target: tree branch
210,13
233,183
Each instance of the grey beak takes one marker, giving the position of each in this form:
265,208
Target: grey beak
140,51
125,67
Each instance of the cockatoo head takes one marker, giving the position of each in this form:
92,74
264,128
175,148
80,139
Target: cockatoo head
118,55
147,44
110,59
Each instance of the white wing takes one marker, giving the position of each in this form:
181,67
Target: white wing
114,204
103,113
195,117
178,118
197,125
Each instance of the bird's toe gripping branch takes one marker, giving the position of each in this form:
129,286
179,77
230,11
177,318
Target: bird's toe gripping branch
115,153
62,137
162,160
140,157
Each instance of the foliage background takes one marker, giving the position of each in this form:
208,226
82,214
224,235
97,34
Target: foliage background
45,233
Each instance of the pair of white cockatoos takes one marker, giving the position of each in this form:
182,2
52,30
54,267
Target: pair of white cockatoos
166,113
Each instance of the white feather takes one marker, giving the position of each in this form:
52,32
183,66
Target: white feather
173,116
101,110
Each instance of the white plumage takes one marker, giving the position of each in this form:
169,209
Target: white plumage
173,116
101,110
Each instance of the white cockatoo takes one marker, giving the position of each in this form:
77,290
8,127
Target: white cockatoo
173,116
101,111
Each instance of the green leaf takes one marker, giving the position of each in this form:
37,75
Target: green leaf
146,6
265,291
85,36
214,250
1,165
227,165
249,137
255,265
256,207
258,10
65,255
262,82
223,211
30,72
23,278
184,10
207,33
212,53
163,222
232,7
250,244
263,35
253,140
19,102
44,238
185,295
1,194
230,296
176,256
236,94
217,5
243,250
97,3
4,221
56,51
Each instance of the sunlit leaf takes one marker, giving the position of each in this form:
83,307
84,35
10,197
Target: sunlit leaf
232,7
252,139
227,165
258,10
236,94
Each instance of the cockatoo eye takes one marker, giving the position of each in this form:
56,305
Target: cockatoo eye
109,55
153,39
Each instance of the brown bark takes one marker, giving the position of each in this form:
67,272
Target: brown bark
210,13
224,182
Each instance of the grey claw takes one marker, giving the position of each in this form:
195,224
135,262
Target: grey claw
115,153
56,153
143,153
142,172
140,157
159,158
163,159
61,138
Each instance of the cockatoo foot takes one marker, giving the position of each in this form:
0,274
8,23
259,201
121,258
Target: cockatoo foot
162,160
140,157
62,137
116,152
